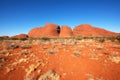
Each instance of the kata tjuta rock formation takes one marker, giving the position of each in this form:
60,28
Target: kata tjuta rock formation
36,32
20,36
49,30
54,30
88,30
66,31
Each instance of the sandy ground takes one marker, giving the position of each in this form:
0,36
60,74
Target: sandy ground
62,59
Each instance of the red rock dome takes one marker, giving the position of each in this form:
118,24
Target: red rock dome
88,30
49,30
66,31
36,32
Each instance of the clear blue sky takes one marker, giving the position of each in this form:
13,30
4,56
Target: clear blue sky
19,16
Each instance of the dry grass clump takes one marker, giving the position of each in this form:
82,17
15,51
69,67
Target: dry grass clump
49,75
73,43
101,40
31,69
79,38
10,45
76,54
100,47
114,58
29,77
25,46
25,52
63,42
37,42
92,77
2,60
51,51
9,69
94,55
45,38
13,44
19,61
118,37
67,42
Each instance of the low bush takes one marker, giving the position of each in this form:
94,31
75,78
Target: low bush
101,40
13,38
79,38
11,46
1,38
23,39
45,38
25,46
118,37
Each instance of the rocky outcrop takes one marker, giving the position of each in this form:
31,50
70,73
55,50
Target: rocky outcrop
88,30
49,30
54,30
20,36
66,31
36,32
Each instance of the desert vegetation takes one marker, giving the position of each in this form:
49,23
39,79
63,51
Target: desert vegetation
68,58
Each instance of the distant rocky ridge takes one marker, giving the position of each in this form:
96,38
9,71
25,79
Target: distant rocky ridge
20,36
54,30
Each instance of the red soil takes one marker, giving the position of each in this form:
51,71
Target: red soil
88,30
71,59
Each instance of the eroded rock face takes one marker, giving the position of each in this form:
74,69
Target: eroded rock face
54,30
36,32
88,30
66,31
20,36
49,30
